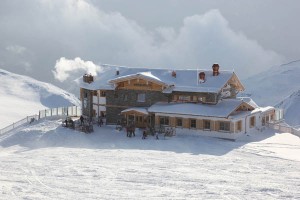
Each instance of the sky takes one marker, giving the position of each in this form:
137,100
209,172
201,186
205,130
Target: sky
57,41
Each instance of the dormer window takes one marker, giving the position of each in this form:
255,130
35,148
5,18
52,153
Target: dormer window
201,77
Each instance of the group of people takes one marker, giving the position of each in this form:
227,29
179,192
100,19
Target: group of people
145,135
130,130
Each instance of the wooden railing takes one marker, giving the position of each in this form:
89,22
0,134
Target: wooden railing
26,120
283,127
61,111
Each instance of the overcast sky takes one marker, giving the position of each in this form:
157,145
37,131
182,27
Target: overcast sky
42,38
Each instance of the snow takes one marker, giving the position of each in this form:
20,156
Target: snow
249,101
47,161
291,107
137,109
272,86
186,79
44,160
223,109
22,96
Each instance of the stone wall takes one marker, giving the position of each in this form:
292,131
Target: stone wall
122,99
86,97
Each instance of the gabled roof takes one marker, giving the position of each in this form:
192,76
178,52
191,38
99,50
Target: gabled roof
143,75
136,109
186,79
223,109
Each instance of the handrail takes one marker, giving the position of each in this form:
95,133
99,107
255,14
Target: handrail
19,123
60,111
284,128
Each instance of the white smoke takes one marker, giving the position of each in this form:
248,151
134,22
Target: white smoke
69,69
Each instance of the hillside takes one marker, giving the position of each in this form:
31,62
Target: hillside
272,86
291,107
22,96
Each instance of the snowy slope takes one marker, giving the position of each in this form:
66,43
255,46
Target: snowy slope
47,161
291,106
272,86
21,96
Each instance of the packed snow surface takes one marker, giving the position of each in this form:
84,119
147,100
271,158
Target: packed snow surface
22,96
47,161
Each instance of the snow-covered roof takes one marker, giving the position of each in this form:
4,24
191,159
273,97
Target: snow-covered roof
185,80
143,75
136,109
223,109
249,101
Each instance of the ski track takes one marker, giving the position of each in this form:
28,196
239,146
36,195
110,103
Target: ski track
62,164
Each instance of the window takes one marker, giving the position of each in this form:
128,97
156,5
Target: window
192,123
224,126
201,99
116,95
102,113
125,97
164,120
179,122
239,125
95,93
206,124
141,97
184,98
102,93
252,121
85,94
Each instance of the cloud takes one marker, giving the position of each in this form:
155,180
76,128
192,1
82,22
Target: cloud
16,49
66,69
77,28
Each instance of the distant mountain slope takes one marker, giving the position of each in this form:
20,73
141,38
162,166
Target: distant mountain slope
291,106
272,86
21,96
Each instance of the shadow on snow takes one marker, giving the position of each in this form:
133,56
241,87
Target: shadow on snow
47,134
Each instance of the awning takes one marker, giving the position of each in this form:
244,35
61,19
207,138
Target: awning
138,110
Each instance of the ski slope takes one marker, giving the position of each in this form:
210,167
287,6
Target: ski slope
22,96
47,161
274,85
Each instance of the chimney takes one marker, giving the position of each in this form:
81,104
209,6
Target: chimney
88,78
215,69
174,74
202,77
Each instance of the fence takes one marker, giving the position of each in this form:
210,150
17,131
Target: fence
19,123
62,111
283,127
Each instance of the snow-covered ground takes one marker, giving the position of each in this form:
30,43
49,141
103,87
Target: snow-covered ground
47,161
21,96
